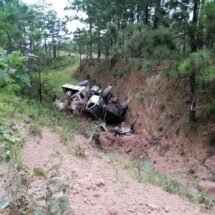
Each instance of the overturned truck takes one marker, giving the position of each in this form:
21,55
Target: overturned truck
101,104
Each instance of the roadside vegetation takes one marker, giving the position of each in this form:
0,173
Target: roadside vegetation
173,184
144,171
21,116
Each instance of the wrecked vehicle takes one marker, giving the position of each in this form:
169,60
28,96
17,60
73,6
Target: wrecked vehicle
100,104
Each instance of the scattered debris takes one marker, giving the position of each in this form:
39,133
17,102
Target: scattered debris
123,129
100,104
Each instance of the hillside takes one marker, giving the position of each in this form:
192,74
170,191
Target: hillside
107,107
158,110
101,178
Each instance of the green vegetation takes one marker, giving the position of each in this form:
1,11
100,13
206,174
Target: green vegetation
178,32
148,174
33,66
31,29
145,172
51,196
31,115
13,70
58,74
140,96
19,117
11,144
80,151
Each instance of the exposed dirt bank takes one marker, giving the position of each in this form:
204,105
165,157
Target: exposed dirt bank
158,110
98,186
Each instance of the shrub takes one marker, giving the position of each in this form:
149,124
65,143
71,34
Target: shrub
13,69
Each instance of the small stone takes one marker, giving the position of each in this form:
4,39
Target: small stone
209,186
210,163
141,203
96,195
75,172
112,211
92,203
166,209
152,207
128,150
100,183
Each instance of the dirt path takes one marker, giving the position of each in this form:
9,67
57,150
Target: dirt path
99,187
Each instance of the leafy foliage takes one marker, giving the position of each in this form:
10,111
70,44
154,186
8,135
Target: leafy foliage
50,197
10,144
202,62
13,70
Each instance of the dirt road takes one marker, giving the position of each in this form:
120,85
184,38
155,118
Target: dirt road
99,187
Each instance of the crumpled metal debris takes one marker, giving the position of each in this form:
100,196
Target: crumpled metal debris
122,129
101,104
60,105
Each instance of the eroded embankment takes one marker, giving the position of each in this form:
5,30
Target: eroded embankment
158,110
98,185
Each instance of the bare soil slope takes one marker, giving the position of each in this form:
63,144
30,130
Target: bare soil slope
158,110
99,187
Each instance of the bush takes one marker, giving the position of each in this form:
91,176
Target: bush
210,108
13,69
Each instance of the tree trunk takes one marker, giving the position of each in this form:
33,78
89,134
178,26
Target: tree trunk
184,44
40,87
45,45
157,14
193,32
58,48
194,47
107,47
10,47
200,34
31,44
98,47
192,115
91,43
80,58
49,46
2,5
146,14
54,49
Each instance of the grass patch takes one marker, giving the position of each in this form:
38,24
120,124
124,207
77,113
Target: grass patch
148,174
80,151
112,159
53,78
145,172
33,115
140,96
30,117
40,115
47,115
162,105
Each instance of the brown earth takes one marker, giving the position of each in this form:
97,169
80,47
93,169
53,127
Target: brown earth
100,187
158,110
